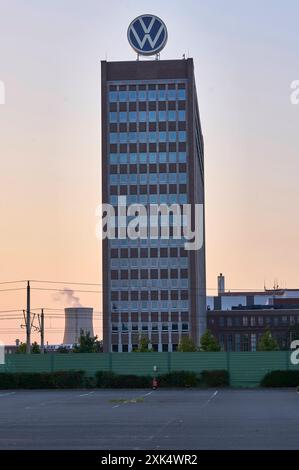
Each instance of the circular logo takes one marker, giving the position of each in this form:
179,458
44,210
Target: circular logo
147,34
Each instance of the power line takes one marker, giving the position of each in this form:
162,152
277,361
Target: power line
11,282
13,289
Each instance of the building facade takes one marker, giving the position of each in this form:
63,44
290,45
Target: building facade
240,329
152,153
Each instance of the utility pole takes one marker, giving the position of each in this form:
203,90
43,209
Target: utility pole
28,321
42,332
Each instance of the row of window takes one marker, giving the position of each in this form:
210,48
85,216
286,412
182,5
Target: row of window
150,85
150,295
150,284
147,127
149,263
152,199
152,317
145,306
151,147
145,178
154,347
142,117
151,189
147,95
131,107
135,327
255,321
148,168
144,137
144,158
163,252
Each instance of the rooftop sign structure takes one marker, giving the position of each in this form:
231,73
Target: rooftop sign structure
147,35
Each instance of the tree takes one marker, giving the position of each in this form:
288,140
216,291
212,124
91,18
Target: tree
267,342
87,343
186,345
144,345
35,349
21,349
209,343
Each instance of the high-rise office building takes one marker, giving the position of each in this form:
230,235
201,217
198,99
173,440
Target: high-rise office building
152,153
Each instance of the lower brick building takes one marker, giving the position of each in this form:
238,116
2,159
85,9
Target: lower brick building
240,329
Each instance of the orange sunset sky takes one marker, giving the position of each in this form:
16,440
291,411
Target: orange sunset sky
246,56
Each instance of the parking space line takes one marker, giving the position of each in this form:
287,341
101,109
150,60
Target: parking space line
6,394
86,394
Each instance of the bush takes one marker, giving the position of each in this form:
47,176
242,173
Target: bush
111,380
178,379
215,378
42,380
281,378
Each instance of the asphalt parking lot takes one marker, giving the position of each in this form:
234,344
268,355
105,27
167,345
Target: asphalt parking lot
151,420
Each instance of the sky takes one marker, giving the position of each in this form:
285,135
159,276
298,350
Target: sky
246,57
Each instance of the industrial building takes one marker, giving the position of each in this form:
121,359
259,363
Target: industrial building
238,319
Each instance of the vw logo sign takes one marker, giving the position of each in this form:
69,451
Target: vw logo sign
147,34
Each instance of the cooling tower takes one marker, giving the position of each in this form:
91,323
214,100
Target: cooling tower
77,319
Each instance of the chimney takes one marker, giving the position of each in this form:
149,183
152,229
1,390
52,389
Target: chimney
221,284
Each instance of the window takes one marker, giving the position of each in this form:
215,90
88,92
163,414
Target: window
181,94
123,96
114,347
142,116
175,327
182,136
113,117
245,342
142,95
182,115
253,342
162,116
245,321
237,342
171,95
230,342
132,95
152,116
185,326
165,327
171,115
165,347
112,96
172,136
152,95
122,116
132,116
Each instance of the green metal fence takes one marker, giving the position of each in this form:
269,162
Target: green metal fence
246,369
